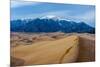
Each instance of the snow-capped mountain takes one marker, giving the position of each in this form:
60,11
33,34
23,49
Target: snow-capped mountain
50,23
53,17
50,17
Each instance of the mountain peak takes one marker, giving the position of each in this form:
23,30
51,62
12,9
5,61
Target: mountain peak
51,26
50,17
53,17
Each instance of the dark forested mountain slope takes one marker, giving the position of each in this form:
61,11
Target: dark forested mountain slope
50,25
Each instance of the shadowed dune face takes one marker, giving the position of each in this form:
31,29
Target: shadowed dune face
16,61
86,49
52,48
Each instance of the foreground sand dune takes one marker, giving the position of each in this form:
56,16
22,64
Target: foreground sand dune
48,52
48,49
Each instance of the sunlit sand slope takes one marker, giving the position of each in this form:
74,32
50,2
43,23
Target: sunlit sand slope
48,52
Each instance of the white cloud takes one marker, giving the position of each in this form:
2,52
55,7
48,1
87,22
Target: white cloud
60,14
88,16
21,3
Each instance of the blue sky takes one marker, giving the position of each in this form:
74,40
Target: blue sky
73,12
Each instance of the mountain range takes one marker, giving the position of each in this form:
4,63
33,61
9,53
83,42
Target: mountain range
50,24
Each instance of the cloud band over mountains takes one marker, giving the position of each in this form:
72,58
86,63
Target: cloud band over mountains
77,13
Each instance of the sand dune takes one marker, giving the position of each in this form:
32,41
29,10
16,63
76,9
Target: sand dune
52,48
16,62
48,52
86,48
